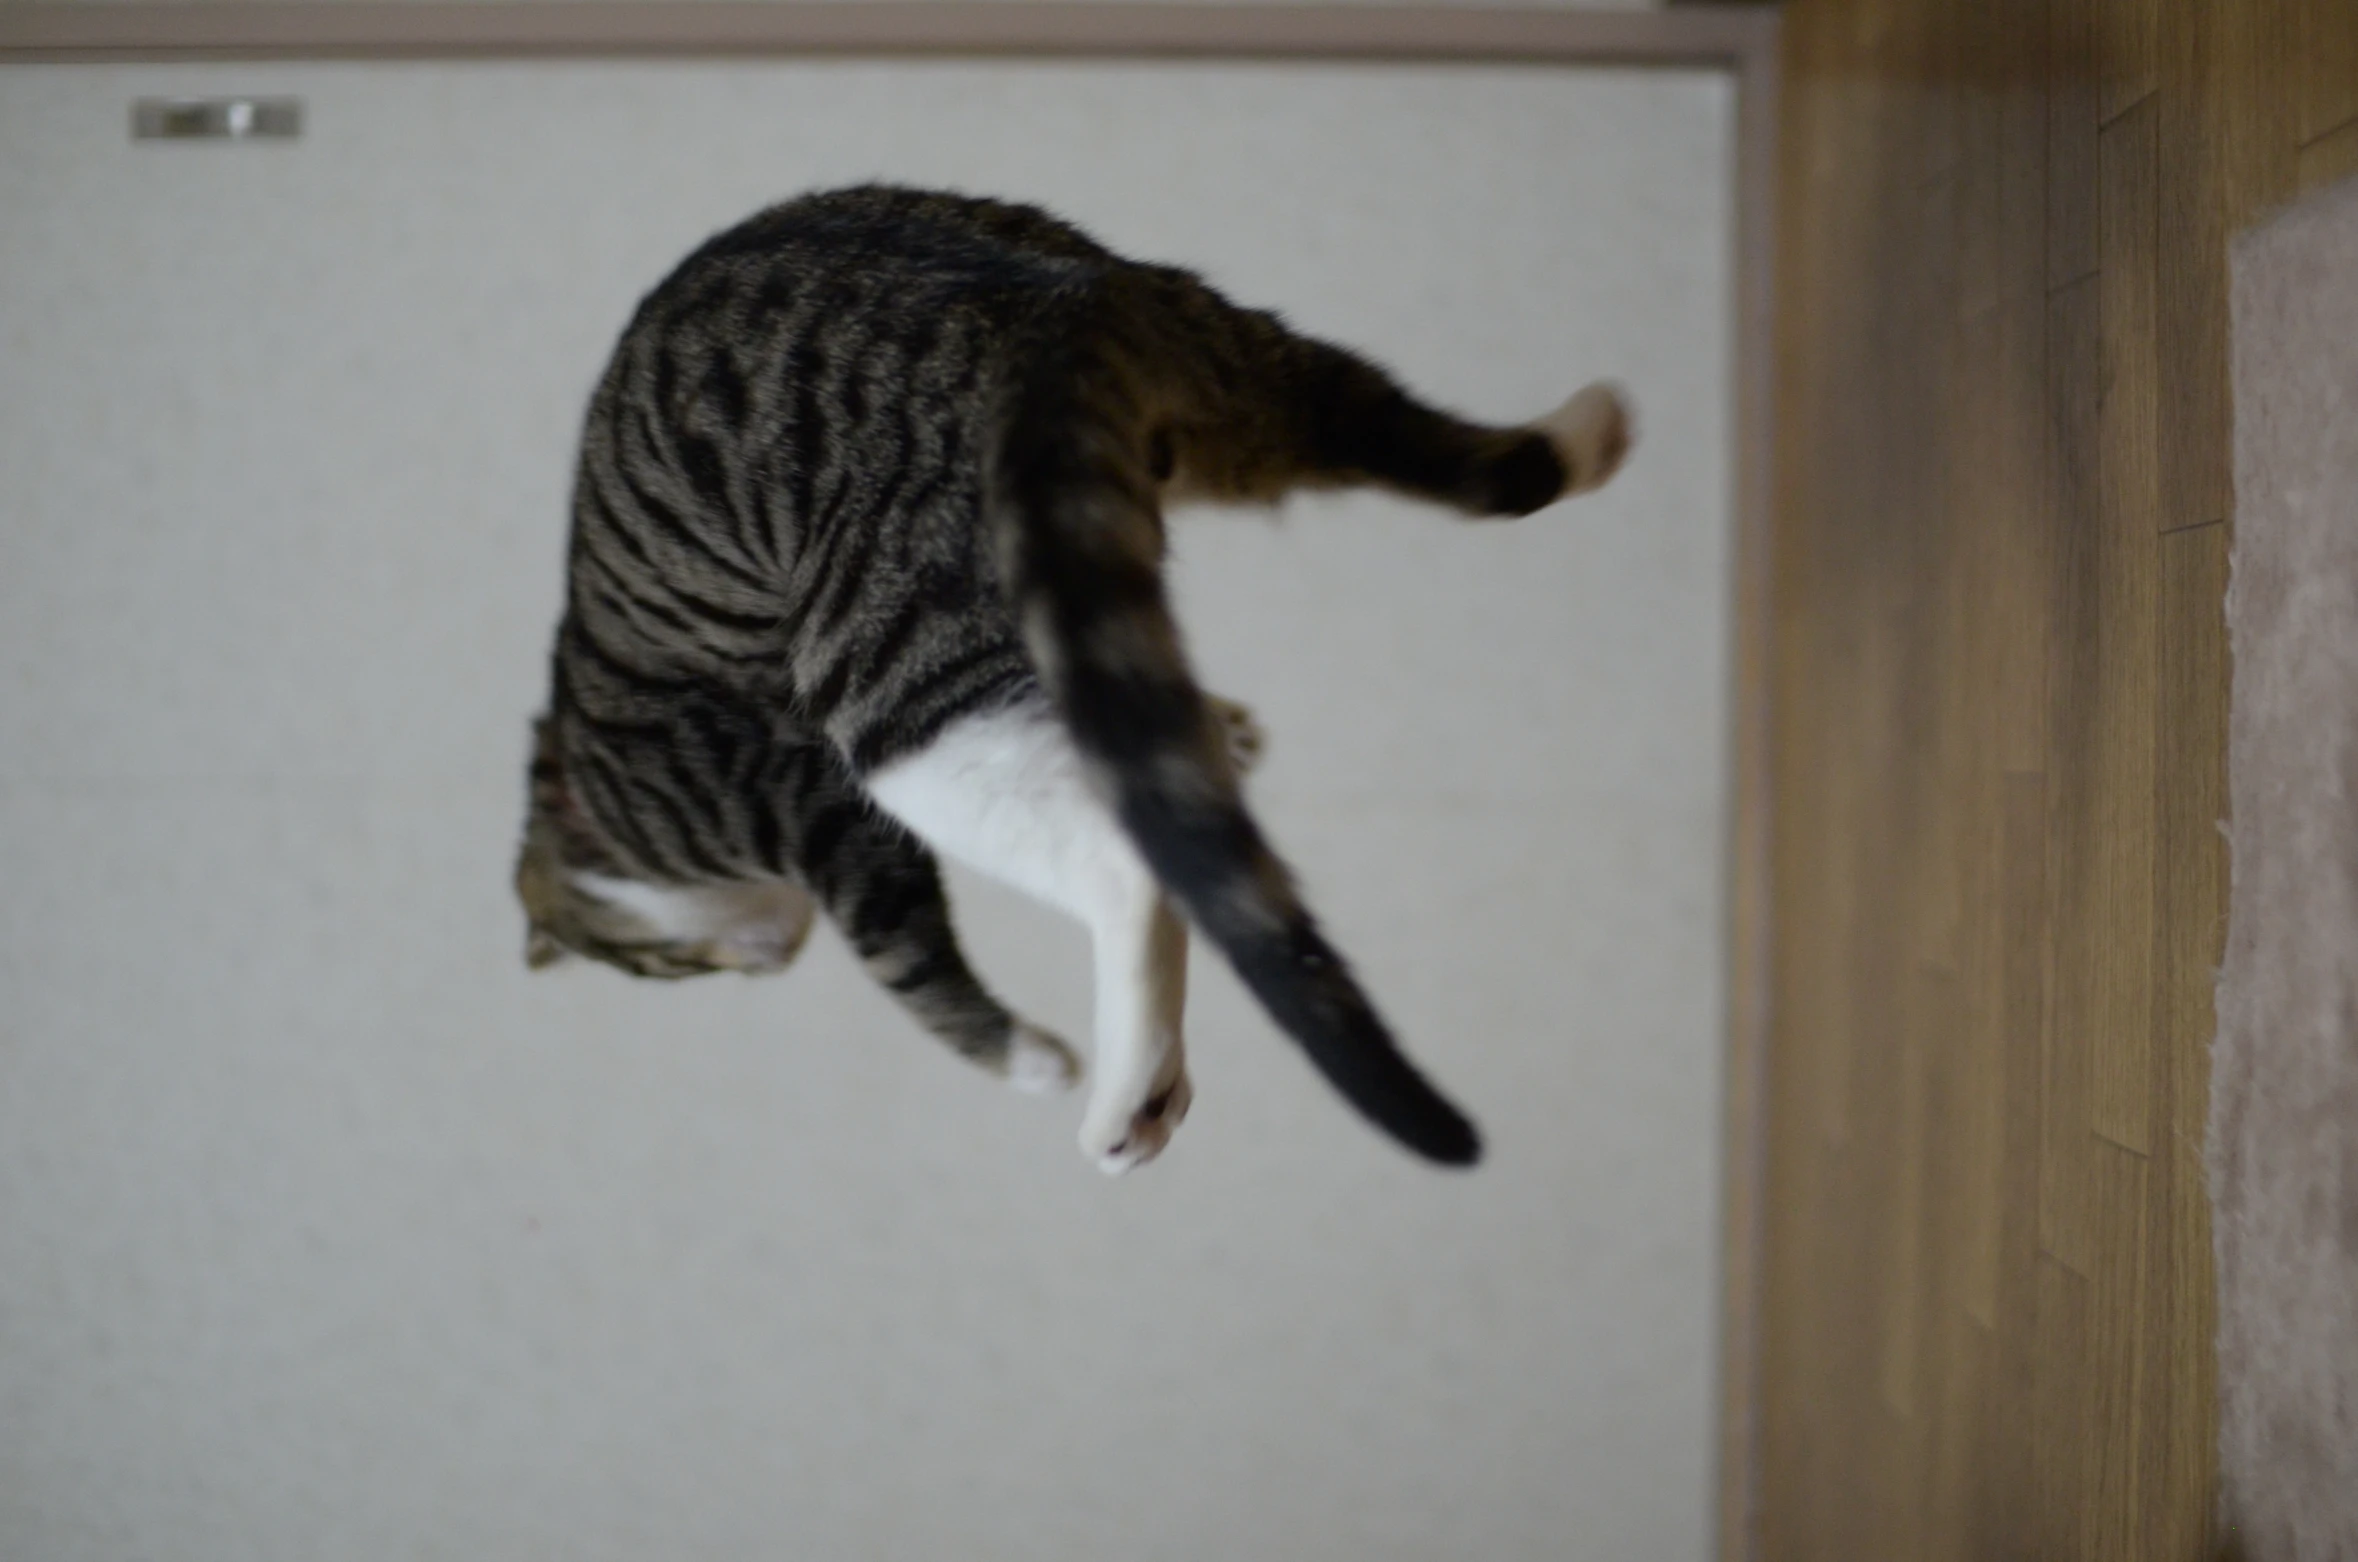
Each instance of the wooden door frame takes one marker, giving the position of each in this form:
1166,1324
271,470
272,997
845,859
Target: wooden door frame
1741,40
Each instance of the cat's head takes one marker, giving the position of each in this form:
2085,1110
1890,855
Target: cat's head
581,896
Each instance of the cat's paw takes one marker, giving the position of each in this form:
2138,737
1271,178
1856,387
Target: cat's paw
1119,1145
1241,730
1038,1064
1592,434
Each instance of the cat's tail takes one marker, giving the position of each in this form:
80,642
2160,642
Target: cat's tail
1072,496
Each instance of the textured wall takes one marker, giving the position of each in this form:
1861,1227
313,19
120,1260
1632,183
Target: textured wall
326,1231
2284,1082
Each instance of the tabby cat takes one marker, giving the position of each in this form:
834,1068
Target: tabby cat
866,563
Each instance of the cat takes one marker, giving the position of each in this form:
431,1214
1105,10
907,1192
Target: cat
866,564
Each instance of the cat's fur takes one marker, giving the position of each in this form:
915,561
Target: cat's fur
867,557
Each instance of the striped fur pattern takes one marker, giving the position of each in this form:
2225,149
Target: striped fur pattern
880,464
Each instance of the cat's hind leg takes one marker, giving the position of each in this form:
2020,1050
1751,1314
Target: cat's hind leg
1242,731
1004,792
1368,429
883,889
1291,411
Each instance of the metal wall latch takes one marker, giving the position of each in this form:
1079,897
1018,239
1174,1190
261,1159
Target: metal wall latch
216,119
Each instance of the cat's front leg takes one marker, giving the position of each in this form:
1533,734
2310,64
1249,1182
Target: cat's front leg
882,888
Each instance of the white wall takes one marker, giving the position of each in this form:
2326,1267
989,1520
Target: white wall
328,1232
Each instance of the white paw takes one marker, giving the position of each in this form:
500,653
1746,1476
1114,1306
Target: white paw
1038,1064
1592,432
1241,730
1123,1143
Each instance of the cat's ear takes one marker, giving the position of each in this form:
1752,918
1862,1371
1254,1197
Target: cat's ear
541,949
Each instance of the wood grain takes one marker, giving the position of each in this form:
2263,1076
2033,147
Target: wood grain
2113,940
1998,689
2073,114
2325,41
2331,157
2128,53
2177,1441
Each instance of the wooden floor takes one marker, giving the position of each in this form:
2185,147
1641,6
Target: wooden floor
1999,689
